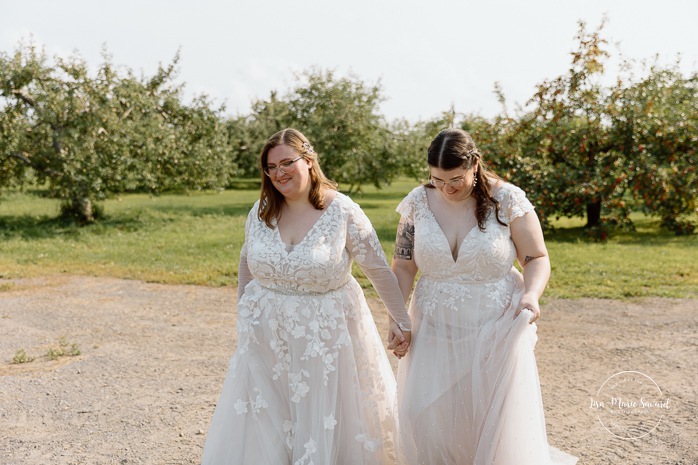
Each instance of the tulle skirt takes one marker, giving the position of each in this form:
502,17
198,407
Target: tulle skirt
309,382
468,390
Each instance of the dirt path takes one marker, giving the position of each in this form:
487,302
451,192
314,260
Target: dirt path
153,358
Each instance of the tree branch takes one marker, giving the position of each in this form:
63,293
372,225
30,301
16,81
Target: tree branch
26,98
20,156
24,159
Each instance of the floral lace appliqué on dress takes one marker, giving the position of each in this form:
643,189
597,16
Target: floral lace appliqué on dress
468,390
310,382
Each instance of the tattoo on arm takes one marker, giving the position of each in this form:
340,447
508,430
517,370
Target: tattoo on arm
404,242
528,258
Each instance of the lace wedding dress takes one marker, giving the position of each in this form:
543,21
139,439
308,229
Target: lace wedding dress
309,382
468,390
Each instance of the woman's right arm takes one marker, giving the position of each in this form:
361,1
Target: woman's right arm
244,273
405,270
403,265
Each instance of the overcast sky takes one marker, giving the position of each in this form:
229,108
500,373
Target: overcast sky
427,54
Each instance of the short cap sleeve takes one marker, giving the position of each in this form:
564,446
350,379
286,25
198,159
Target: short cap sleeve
514,202
407,206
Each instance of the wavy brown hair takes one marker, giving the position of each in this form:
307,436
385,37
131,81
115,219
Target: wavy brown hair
270,199
454,148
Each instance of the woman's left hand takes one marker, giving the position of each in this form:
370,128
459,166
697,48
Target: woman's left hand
398,340
530,302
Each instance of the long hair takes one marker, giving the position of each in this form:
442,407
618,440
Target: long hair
454,148
270,199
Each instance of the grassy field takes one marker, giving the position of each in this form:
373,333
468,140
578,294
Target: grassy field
196,239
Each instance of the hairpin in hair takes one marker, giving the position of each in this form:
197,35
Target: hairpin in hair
308,148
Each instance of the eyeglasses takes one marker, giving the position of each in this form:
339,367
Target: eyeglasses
284,167
455,183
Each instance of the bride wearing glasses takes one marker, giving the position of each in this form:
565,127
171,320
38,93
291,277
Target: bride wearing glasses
310,381
468,389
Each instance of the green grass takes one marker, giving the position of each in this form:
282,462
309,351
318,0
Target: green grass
646,262
196,239
192,239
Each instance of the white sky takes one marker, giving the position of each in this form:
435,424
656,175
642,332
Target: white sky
427,54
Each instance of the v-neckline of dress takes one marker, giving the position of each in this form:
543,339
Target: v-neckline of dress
455,258
293,247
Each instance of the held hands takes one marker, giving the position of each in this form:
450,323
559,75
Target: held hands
398,340
530,302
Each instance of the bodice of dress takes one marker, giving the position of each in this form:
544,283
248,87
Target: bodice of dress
317,264
483,255
321,262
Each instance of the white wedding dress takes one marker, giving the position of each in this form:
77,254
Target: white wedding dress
468,390
309,382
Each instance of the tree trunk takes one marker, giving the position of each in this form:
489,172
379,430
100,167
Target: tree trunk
84,208
79,208
593,214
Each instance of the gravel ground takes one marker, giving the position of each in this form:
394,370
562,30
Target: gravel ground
153,358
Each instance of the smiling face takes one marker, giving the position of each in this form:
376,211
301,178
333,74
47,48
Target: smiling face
454,184
293,181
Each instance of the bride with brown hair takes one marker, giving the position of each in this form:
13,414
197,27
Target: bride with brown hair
468,388
309,382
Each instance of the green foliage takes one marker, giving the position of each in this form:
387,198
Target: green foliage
54,353
63,349
67,348
87,136
412,143
579,148
22,357
561,146
340,117
409,144
583,149
248,134
655,126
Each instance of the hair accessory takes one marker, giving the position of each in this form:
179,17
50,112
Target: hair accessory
308,148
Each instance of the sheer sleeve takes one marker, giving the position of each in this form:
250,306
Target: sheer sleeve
364,247
244,273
